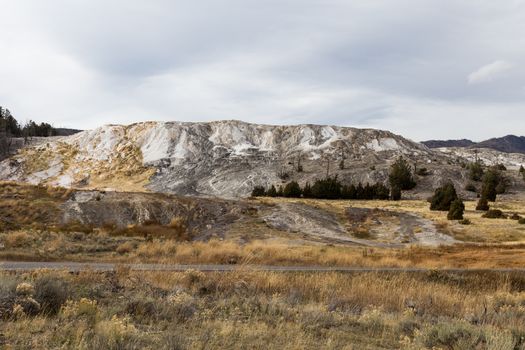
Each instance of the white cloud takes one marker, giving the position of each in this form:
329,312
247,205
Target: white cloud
489,72
398,65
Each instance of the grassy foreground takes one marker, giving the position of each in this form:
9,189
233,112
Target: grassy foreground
253,310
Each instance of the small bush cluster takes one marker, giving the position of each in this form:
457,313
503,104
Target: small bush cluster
494,214
328,188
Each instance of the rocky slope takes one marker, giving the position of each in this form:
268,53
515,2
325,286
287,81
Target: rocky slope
223,158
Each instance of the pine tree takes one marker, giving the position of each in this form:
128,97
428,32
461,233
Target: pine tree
395,193
494,183
272,192
457,208
401,176
307,190
292,190
258,191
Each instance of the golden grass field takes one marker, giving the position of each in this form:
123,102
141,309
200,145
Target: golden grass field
259,310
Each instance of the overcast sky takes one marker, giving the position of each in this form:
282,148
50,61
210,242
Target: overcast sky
422,68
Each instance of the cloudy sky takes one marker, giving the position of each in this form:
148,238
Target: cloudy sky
422,68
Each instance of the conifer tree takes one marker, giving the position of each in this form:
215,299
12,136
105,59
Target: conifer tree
457,208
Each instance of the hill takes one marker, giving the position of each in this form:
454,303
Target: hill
507,144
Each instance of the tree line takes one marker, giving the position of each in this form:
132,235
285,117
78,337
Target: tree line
400,178
328,188
10,128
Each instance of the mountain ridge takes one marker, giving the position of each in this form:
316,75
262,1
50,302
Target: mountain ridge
507,144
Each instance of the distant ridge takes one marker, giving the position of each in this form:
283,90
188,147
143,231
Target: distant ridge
507,144
66,131
448,143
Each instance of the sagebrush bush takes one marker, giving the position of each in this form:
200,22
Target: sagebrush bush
51,292
17,239
452,335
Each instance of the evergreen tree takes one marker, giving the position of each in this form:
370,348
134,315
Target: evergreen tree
328,188
401,176
272,192
307,190
280,191
381,192
457,208
395,193
494,183
292,190
443,197
522,169
258,191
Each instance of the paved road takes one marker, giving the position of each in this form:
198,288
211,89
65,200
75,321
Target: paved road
79,266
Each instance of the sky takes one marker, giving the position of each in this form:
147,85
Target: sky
425,69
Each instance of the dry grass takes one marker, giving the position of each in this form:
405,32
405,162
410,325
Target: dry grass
253,310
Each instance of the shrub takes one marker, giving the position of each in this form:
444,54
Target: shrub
471,187
515,216
395,193
401,176
307,190
500,167
452,335
328,188
457,208
443,197
17,239
522,169
51,292
465,222
292,190
483,204
272,192
258,191
494,214
125,248
521,221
